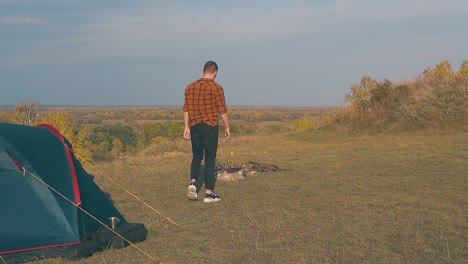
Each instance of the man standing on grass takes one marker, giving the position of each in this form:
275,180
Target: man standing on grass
204,101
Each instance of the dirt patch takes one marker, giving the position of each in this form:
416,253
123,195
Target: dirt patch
240,173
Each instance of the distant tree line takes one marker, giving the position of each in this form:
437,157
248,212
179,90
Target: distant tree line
99,115
110,132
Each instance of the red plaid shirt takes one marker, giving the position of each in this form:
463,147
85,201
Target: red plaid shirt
204,100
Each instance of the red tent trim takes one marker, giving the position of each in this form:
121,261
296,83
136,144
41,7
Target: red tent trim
42,247
69,152
16,162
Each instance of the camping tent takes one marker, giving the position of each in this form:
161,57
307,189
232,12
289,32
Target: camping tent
42,188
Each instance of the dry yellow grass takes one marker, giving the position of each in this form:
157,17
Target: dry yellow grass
339,198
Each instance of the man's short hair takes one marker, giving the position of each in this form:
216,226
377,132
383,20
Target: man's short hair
210,67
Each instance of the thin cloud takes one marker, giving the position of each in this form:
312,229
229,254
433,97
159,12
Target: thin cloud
169,30
163,30
178,28
19,20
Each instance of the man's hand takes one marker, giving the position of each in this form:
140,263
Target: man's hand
186,126
187,133
227,133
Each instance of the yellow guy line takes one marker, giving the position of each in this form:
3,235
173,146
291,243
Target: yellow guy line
84,211
3,261
133,195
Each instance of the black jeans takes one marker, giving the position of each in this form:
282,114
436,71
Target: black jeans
204,140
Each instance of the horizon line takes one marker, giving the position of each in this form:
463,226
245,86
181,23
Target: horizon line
168,106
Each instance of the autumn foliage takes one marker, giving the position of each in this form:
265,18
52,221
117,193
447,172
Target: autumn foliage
29,114
437,98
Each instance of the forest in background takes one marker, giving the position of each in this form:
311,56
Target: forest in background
103,133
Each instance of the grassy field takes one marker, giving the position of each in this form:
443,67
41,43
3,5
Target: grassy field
339,198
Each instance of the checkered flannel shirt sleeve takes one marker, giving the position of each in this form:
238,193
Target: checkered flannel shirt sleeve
220,100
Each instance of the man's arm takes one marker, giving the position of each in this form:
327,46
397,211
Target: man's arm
227,132
222,108
186,125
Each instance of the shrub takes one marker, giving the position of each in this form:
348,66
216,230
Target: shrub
437,98
304,124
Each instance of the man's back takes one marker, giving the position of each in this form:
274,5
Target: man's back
204,100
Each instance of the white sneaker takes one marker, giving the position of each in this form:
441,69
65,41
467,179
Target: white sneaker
192,192
209,198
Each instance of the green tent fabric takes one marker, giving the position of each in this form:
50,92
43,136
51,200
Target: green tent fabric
33,218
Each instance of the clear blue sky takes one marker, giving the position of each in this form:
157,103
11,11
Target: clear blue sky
270,52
